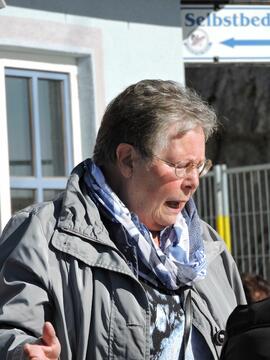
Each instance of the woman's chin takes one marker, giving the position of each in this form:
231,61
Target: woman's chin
167,218
171,213
167,221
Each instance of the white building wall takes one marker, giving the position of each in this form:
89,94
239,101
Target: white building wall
123,52
138,51
110,54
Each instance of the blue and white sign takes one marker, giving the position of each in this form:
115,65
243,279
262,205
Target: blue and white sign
231,33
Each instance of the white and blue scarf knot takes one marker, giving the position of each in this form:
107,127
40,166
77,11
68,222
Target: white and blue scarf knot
180,259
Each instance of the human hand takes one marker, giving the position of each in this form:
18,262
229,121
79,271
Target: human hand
50,347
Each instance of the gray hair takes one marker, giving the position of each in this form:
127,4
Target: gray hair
143,114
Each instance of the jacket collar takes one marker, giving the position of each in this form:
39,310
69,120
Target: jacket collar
79,215
213,245
87,236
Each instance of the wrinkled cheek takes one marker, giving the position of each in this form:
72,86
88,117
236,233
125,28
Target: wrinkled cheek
171,188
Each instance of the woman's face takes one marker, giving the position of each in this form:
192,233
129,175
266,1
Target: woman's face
154,192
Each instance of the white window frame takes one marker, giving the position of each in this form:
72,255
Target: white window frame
72,72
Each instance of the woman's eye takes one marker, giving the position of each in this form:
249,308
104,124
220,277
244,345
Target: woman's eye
182,166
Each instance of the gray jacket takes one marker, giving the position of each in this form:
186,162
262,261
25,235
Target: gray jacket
59,264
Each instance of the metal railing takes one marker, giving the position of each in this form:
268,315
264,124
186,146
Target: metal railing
236,202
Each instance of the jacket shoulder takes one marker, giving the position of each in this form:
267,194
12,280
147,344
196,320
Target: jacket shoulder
40,216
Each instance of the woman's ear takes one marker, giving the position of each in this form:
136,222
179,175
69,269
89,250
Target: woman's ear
125,154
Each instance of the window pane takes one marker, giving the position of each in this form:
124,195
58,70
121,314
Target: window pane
19,129
51,194
51,127
20,198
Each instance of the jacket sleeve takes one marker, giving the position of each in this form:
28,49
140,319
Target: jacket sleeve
222,288
234,277
24,299
230,268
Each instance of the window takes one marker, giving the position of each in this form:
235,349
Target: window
39,134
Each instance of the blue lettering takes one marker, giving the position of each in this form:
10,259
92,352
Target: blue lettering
208,19
244,20
200,19
266,20
255,21
234,20
217,21
189,19
227,21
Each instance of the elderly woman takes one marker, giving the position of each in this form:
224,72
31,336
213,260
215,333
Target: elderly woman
120,266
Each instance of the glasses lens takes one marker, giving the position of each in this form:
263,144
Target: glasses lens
205,167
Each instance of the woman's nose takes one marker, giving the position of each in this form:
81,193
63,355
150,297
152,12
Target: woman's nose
192,179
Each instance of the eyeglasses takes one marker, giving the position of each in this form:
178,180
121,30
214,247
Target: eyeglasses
182,169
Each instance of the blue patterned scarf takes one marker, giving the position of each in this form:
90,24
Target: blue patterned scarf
180,259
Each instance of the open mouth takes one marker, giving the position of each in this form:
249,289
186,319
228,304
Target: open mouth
173,204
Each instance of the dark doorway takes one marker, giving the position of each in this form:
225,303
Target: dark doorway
240,94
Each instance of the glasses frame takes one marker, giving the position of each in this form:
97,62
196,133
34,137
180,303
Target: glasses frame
202,168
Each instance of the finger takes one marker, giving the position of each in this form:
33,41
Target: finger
34,352
48,348
41,352
49,337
